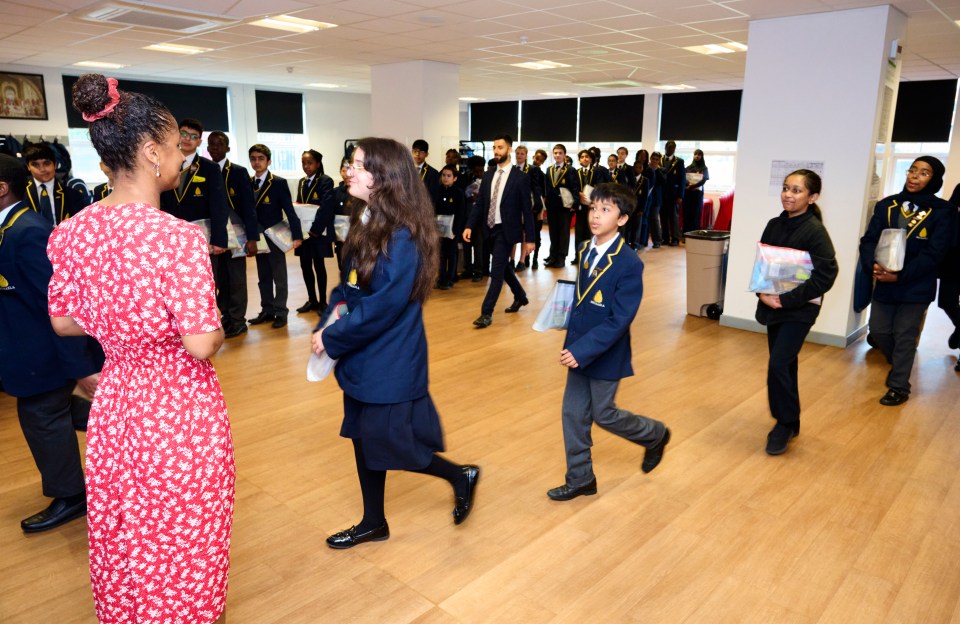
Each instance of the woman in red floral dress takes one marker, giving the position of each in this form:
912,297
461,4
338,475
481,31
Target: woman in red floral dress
160,473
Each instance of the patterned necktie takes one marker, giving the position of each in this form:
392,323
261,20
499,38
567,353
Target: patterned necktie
585,269
46,209
492,211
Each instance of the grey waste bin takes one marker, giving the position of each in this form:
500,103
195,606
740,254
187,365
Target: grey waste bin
706,271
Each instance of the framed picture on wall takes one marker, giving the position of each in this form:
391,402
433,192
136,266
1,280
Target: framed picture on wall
22,96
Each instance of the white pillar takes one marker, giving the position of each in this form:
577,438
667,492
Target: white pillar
651,121
814,90
417,100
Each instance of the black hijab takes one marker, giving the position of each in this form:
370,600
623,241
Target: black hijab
926,197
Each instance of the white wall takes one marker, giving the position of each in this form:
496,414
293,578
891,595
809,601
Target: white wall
811,92
333,118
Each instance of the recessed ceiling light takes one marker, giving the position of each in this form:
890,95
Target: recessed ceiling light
718,48
540,65
292,24
676,87
99,65
324,85
176,48
556,93
470,99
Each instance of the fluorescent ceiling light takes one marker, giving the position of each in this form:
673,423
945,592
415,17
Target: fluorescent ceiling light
718,48
176,48
292,24
539,65
676,87
470,99
324,85
99,65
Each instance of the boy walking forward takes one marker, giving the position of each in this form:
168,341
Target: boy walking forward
597,346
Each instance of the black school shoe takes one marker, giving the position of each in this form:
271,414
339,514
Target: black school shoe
780,436
351,537
894,397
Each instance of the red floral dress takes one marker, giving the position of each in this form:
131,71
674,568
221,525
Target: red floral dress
159,465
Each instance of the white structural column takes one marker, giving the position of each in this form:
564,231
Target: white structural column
417,100
814,91
650,129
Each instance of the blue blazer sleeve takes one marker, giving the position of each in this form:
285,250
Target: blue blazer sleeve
286,202
219,206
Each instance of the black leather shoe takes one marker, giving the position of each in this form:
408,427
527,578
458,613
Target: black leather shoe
263,317
779,437
308,306
535,265
654,453
565,492
350,537
476,278
280,321
656,245
516,305
60,511
954,340
894,397
520,266
235,330
463,505
483,321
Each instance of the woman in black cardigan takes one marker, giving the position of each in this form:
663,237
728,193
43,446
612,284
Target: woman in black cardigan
790,315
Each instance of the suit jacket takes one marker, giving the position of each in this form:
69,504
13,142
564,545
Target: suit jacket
674,180
33,359
236,183
565,177
273,202
598,334
590,177
100,191
516,208
65,201
319,193
203,197
431,179
624,175
537,186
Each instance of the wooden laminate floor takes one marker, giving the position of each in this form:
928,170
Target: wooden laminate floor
858,522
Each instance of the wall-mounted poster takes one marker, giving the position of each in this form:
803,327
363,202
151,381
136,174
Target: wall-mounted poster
22,96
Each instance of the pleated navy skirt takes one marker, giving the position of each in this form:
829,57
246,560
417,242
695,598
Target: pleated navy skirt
395,436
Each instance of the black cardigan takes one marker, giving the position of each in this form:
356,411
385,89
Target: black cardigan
805,232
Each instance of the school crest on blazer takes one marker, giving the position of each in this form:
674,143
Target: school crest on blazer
603,265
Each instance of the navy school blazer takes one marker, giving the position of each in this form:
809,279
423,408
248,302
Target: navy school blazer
204,197
273,202
321,194
381,344
33,359
598,334
566,177
516,211
236,182
66,201
100,191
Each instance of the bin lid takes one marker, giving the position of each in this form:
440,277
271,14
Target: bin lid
708,234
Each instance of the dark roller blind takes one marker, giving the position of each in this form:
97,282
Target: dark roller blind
488,119
279,112
208,105
707,116
614,118
924,111
549,120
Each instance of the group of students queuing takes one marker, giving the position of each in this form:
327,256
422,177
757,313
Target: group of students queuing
130,272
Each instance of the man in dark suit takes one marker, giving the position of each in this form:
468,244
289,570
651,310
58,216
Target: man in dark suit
200,194
675,174
429,175
45,194
38,367
504,213
560,209
272,201
231,274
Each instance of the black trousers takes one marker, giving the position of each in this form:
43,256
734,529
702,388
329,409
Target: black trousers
581,231
558,224
448,260
783,391
47,422
670,220
272,275
692,210
896,329
314,271
501,270
473,252
231,280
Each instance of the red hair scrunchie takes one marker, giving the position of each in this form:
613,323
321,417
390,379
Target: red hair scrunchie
112,104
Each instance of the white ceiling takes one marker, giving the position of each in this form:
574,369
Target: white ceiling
601,40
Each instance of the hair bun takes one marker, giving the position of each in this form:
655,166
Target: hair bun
90,94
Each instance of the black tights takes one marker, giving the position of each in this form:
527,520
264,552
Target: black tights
373,482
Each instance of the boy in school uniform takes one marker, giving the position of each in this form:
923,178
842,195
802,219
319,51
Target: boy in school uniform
451,202
597,346
44,193
559,175
272,200
430,176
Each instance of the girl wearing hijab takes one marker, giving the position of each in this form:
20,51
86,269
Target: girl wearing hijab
900,298
693,195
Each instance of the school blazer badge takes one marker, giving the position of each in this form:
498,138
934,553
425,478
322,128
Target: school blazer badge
352,278
598,299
